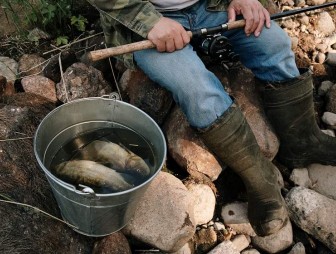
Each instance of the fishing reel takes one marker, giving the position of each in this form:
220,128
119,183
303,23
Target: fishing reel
218,48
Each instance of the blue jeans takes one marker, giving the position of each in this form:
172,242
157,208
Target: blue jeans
198,91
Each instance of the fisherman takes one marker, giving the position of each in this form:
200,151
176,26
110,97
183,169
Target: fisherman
265,49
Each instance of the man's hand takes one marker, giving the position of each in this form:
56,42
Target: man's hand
255,15
168,35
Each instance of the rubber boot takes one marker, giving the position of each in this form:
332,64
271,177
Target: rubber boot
231,139
290,109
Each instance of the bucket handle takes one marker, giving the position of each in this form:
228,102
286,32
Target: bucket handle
86,191
113,96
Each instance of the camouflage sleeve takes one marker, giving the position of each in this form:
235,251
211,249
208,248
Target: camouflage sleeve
137,15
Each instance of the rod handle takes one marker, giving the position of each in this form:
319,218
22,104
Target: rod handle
119,50
100,54
236,24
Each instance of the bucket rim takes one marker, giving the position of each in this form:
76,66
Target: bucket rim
72,187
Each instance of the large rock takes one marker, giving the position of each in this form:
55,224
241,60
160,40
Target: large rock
115,243
313,213
145,94
81,81
187,149
40,85
164,217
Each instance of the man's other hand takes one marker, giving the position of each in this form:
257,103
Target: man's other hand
255,15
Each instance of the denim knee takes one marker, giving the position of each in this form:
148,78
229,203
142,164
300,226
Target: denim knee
198,92
269,56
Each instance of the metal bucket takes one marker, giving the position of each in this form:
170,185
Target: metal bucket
95,214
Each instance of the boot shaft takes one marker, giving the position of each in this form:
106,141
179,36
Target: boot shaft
290,109
232,140
290,105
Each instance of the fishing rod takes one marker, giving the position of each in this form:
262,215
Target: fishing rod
147,44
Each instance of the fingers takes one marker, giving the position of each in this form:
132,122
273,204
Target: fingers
172,44
168,35
255,15
268,18
261,23
264,19
251,20
231,14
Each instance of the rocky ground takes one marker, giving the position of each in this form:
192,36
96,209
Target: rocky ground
196,204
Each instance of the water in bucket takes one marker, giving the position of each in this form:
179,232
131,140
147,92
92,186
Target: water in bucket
112,148
97,214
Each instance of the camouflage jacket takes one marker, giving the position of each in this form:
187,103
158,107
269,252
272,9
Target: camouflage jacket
126,21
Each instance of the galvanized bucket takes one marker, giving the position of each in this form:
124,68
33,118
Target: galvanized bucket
95,214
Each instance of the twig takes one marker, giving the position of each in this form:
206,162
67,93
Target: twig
62,76
33,67
71,43
114,78
37,209
14,139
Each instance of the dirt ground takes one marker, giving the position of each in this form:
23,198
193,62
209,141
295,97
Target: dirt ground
7,27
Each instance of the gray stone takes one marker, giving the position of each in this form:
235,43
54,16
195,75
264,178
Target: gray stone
205,202
313,213
226,247
298,248
323,178
235,216
241,242
325,23
8,68
324,87
329,119
276,242
300,177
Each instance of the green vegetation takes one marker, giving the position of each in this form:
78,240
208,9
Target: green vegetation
56,17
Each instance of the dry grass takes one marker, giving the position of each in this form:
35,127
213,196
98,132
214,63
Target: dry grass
15,46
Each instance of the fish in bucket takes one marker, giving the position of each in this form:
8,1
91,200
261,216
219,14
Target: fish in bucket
99,156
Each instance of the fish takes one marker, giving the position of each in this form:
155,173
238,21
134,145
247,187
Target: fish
115,156
91,173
